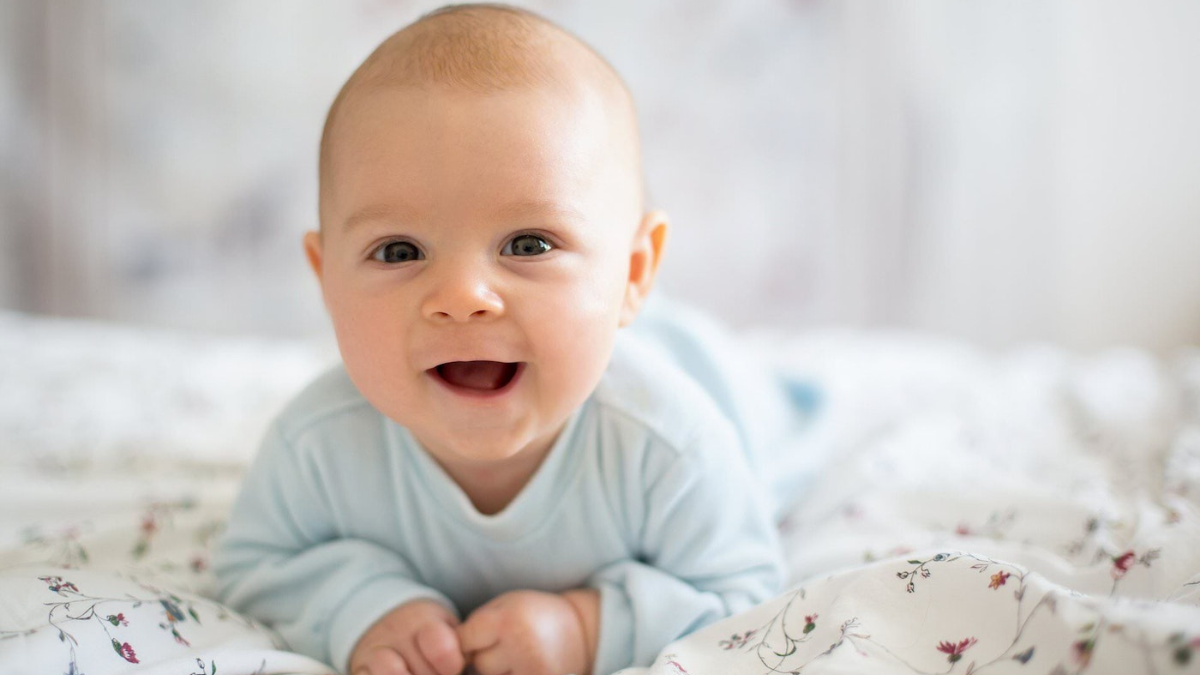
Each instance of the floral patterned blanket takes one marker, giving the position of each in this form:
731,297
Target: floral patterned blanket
1035,511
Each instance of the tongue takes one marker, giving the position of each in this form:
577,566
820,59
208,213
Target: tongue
486,375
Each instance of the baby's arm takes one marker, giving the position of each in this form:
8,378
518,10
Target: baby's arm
708,549
283,560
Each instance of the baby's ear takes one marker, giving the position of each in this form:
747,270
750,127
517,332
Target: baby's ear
644,257
313,251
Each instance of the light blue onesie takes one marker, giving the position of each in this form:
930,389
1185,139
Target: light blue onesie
646,496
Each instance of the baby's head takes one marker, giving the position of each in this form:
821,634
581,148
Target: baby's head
482,230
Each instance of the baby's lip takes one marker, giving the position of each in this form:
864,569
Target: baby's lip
449,349
477,377
431,362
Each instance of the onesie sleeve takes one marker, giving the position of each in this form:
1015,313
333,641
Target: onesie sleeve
282,561
708,550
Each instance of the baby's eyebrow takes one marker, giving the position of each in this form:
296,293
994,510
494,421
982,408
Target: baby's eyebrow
540,208
520,210
370,213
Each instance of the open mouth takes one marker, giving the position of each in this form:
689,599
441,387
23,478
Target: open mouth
477,376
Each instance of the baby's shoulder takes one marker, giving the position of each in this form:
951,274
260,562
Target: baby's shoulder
646,391
331,399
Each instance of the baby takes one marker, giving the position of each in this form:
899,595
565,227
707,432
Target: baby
493,480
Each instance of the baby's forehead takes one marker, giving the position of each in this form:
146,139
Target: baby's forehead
466,156
486,50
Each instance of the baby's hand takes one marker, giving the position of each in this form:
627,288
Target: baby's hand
531,633
416,638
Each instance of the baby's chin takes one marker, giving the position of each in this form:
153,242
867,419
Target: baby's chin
484,445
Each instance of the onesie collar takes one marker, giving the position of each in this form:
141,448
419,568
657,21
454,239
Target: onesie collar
522,516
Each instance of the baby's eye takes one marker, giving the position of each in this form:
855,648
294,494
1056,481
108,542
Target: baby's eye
526,245
397,252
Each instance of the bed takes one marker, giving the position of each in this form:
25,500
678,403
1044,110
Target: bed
1025,511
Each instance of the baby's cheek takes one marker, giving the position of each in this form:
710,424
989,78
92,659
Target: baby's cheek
374,356
585,345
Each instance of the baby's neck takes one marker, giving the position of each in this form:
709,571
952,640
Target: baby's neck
492,486
492,496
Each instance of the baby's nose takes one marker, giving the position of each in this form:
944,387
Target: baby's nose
462,295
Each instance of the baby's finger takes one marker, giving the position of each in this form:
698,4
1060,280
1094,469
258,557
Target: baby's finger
480,631
382,660
438,643
417,665
494,661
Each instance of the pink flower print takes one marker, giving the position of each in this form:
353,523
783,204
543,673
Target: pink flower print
57,585
199,564
963,530
1083,651
679,670
125,651
810,623
117,619
955,650
1121,564
998,579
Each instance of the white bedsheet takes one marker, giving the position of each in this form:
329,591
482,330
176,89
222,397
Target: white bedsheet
1032,512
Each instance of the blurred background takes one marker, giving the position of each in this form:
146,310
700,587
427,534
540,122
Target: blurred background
1006,171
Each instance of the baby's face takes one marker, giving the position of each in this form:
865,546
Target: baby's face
475,258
